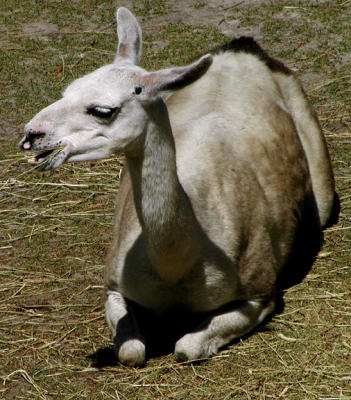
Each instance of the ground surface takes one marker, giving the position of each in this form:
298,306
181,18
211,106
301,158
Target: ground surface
56,227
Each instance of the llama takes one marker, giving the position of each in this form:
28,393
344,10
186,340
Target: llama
225,160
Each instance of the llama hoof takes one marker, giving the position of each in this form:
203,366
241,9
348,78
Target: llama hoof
190,348
132,353
183,353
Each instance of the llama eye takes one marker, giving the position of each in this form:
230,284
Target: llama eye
101,112
138,89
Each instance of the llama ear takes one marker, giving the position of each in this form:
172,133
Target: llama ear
129,37
173,78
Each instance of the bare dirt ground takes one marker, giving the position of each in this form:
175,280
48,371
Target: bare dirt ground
55,227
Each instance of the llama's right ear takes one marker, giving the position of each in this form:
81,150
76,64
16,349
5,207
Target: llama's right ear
151,84
129,37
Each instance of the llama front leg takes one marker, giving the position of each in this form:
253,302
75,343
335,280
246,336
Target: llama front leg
221,329
128,341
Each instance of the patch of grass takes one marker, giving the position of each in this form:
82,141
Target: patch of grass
151,8
199,5
183,44
56,226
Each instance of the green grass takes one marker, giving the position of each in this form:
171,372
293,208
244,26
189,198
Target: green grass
56,226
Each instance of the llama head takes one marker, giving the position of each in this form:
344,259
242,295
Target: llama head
105,112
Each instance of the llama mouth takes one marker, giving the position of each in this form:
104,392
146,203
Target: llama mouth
41,157
45,160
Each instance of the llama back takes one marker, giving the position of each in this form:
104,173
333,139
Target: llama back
254,96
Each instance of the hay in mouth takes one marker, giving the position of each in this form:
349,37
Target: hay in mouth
44,156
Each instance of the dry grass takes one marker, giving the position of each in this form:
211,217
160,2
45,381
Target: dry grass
56,226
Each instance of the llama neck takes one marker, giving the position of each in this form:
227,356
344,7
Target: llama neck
164,210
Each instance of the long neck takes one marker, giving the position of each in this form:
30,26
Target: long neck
164,210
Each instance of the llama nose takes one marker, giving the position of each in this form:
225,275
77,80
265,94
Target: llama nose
30,135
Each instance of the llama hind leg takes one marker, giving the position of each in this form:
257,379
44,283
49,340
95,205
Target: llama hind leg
128,341
221,329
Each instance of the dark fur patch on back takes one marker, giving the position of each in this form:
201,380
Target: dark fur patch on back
248,45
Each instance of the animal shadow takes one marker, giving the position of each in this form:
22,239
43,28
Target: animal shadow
104,357
308,242
159,335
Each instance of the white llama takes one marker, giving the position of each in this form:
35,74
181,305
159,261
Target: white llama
225,159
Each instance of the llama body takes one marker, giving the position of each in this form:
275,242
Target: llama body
221,170
236,164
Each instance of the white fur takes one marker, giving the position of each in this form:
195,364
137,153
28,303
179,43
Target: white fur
218,175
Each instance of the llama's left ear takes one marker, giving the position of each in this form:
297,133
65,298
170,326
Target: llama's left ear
129,37
173,78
